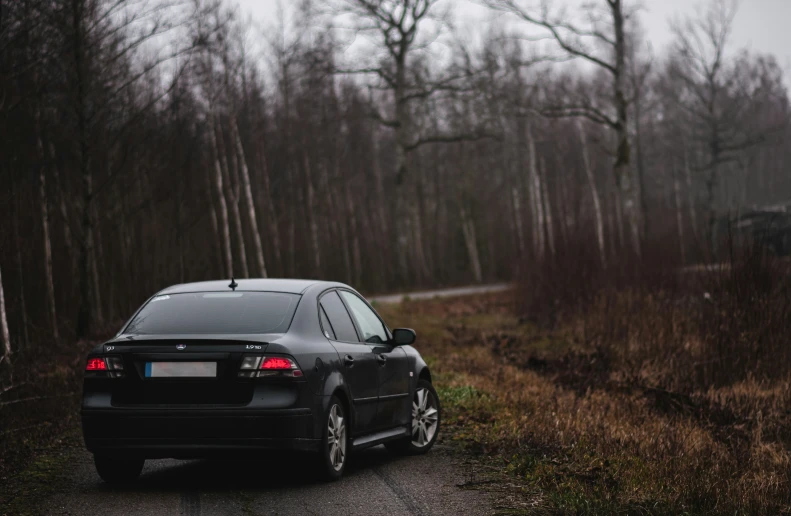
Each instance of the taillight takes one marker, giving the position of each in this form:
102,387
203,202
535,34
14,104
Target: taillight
277,363
253,365
96,364
115,366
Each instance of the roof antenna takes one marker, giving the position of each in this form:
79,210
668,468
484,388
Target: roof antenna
233,284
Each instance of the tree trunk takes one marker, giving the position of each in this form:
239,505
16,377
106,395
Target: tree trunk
248,195
679,217
312,223
693,218
220,192
547,207
64,213
85,311
597,209
518,224
535,194
4,325
470,241
50,284
213,221
621,168
271,212
96,255
232,179
20,274
421,265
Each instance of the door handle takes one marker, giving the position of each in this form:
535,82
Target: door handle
381,359
348,361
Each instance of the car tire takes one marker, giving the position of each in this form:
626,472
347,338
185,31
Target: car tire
118,471
334,452
426,417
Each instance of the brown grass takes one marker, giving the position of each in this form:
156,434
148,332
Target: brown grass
606,410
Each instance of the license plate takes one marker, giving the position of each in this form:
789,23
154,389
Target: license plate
181,369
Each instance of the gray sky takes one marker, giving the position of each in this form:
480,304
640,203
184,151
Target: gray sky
760,25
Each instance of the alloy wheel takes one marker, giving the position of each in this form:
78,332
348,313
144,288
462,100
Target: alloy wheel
336,437
424,418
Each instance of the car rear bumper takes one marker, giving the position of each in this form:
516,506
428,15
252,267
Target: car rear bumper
155,433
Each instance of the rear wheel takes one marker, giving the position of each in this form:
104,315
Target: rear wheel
118,471
425,422
334,443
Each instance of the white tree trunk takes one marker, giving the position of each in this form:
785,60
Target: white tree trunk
547,207
693,218
520,232
248,197
535,194
220,191
679,217
4,325
20,274
597,210
471,241
271,213
232,178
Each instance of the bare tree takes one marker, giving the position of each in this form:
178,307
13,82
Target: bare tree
719,95
604,44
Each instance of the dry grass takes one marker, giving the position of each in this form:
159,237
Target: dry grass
587,429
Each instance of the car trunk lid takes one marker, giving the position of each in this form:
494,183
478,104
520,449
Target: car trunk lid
182,372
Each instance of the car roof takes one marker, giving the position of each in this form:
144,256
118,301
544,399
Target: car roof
291,286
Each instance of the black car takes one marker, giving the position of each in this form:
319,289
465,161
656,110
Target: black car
212,368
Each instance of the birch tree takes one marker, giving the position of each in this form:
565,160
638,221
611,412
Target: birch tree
603,43
4,325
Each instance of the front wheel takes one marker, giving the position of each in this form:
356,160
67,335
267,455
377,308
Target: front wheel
425,422
118,471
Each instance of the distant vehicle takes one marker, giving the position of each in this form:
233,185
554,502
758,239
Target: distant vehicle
768,226
212,369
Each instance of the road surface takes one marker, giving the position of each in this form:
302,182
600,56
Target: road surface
448,292
376,482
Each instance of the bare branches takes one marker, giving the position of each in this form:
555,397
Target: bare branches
568,36
450,138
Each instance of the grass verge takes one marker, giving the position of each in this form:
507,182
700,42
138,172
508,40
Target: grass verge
572,430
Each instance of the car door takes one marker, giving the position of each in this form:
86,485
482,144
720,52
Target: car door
360,368
394,406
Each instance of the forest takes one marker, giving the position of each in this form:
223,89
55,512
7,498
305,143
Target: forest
152,142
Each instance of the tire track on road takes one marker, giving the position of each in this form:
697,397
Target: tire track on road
190,503
411,504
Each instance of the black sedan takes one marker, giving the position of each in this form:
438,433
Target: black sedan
215,369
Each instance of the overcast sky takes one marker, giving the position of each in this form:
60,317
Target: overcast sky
760,25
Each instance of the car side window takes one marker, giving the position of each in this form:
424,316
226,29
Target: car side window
325,324
338,317
369,323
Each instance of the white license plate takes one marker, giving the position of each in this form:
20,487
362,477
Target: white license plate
181,369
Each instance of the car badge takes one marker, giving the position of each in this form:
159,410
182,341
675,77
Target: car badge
181,347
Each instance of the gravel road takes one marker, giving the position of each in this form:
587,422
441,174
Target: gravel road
448,292
376,482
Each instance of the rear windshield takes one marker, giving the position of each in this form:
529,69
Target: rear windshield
215,313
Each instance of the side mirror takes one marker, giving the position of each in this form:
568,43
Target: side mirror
403,336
